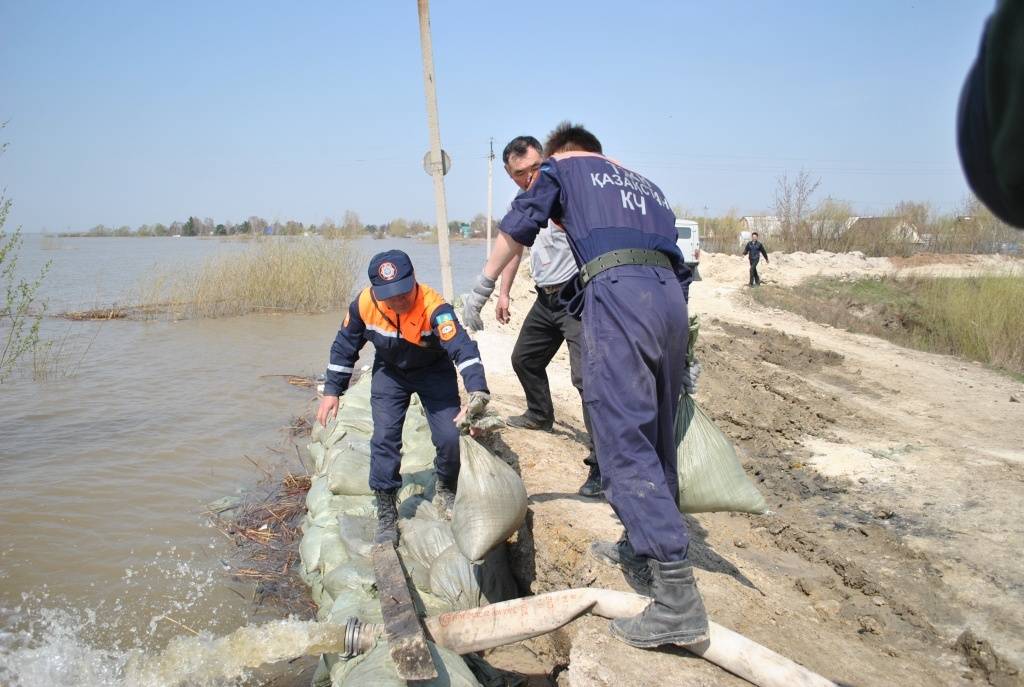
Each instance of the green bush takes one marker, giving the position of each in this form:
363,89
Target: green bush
307,275
21,312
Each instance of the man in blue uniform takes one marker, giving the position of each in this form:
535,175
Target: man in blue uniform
419,344
622,231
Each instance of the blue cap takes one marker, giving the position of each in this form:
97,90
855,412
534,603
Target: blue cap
391,274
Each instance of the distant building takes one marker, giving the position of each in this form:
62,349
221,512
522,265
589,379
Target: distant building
766,226
889,228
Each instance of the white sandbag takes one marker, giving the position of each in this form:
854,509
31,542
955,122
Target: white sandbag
350,474
317,497
332,551
456,580
418,507
416,483
357,534
351,603
376,668
309,548
360,506
490,503
423,541
356,574
317,452
711,477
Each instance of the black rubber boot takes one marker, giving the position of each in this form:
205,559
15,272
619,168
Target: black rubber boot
387,518
444,499
525,421
675,615
622,555
592,487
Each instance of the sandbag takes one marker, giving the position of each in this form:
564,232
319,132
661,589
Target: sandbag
317,497
422,541
332,551
357,534
711,477
317,452
416,483
309,548
418,507
350,474
376,668
456,580
490,503
355,574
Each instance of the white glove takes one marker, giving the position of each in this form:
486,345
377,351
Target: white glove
690,377
474,302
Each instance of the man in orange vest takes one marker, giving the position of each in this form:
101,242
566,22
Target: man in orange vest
419,344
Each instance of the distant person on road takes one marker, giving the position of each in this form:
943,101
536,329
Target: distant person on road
547,324
754,250
419,344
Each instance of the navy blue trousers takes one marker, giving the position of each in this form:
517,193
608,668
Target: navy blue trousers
635,329
390,390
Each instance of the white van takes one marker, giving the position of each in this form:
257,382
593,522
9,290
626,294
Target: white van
689,244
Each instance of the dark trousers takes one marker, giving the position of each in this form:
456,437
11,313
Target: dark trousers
755,279
546,326
635,327
390,390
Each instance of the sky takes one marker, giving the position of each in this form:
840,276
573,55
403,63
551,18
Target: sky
130,112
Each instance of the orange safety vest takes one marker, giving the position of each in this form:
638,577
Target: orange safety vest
411,326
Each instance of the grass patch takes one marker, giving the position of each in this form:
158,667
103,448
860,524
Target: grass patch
976,317
303,275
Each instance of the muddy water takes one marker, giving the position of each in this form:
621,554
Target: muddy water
106,466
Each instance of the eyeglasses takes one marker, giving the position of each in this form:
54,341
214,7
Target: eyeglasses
526,173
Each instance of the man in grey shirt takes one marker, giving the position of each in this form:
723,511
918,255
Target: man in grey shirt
547,324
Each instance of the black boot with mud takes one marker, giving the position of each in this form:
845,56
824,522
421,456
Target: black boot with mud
444,499
675,615
527,421
621,555
387,518
592,487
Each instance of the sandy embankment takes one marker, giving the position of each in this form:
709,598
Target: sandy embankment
895,480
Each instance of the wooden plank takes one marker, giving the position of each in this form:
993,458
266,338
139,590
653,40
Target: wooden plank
402,627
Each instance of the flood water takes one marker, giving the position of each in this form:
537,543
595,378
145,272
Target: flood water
107,465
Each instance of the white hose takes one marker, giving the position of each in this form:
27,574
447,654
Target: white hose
507,622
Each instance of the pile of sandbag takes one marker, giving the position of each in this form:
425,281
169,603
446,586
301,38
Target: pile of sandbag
452,565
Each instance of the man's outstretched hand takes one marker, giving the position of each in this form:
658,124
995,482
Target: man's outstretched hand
327,410
501,311
478,400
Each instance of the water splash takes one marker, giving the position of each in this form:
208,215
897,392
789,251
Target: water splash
62,657
46,640
206,660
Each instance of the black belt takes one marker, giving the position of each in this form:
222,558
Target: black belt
549,290
625,256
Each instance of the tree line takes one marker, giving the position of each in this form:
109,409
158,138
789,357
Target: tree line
350,226
802,220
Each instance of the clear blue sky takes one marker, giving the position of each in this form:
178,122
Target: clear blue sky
131,112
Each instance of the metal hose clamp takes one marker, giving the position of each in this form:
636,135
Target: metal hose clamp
352,627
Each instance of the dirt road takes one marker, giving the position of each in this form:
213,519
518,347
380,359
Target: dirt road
891,555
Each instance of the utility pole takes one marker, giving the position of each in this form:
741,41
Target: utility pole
490,195
437,170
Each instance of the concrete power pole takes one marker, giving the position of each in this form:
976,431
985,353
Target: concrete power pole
438,169
490,195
